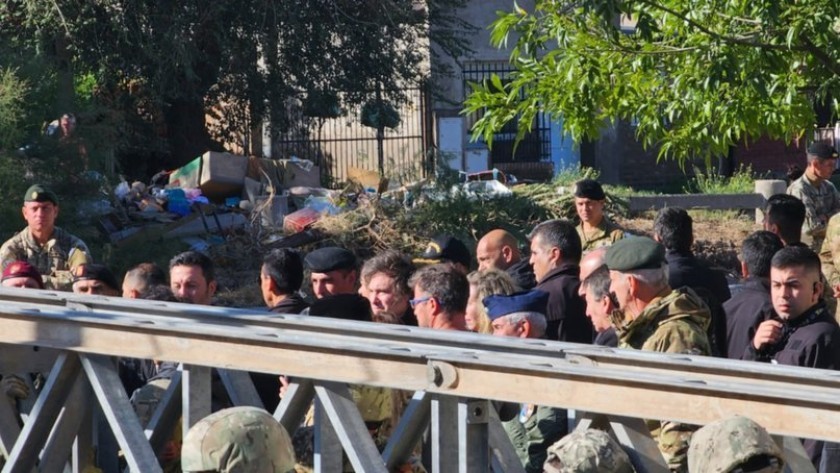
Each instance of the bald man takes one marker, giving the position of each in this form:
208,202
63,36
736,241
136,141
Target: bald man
500,250
590,262
595,289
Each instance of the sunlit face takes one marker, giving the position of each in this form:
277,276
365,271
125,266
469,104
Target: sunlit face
383,295
502,327
589,211
40,216
472,314
793,291
620,286
21,281
333,283
423,309
93,287
598,311
489,256
823,168
541,258
189,285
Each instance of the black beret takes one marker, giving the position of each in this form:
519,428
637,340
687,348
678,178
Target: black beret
822,150
342,306
448,248
39,193
589,189
635,252
499,305
96,272
331,258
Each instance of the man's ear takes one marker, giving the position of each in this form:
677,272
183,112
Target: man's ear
211,288
555,255
507,253
524,328
633,284
745,273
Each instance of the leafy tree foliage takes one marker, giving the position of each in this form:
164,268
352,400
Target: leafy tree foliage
696,76
169,64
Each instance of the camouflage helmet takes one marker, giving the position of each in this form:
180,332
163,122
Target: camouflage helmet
587,451
238,440
725,445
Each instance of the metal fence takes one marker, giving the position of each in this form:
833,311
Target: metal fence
535,145
338,144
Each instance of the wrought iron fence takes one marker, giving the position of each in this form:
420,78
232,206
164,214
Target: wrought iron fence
535,145
340,143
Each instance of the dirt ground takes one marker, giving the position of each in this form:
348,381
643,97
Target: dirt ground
717,234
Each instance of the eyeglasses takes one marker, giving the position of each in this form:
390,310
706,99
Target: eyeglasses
415,302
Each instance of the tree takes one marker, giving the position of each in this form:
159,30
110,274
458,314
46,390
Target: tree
172,63
695,76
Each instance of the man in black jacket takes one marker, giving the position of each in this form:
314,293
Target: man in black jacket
801,332
281,276
555,254
499,249
673,228
751,305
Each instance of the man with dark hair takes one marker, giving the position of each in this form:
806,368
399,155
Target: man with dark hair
784,215
385,284
555,254
816,191
42,244
801,331
499,249
673,227
142,278
651,316
192,278
94,279
751,306
595,229
440,297
332,271
281,276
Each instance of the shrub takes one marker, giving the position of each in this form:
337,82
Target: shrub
709,182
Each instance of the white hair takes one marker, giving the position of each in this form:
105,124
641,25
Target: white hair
656,278
535,319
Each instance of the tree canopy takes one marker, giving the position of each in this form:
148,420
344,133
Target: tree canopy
169,64
694,76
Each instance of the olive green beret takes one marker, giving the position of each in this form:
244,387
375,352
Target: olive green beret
635,252
39,193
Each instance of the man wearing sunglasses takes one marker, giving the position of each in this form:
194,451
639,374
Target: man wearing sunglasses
440,297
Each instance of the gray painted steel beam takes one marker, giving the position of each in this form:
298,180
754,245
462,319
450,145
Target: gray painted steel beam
409,430
293,407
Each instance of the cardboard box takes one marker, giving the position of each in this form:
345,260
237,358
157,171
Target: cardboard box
218,175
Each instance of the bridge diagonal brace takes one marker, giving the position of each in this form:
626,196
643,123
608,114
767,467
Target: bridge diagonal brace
504,458
43,415
103,377
796,458
643,451
409,430
294,405
59,446
338,405
240,388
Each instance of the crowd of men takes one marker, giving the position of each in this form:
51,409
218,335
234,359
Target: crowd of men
585,283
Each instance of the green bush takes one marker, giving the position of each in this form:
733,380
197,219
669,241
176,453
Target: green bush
13,92
709,182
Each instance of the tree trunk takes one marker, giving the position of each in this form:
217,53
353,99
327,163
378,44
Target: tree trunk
188,137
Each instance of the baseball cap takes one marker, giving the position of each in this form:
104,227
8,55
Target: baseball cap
445,248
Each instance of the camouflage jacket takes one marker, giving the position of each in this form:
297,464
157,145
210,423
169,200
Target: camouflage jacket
606,234
821,202
830,253
54,260
675,322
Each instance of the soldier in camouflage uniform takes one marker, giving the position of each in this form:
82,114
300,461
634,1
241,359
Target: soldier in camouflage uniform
830,257
653,317
595,229
531,429
238,440
47,247
733,445
819,195
587,451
